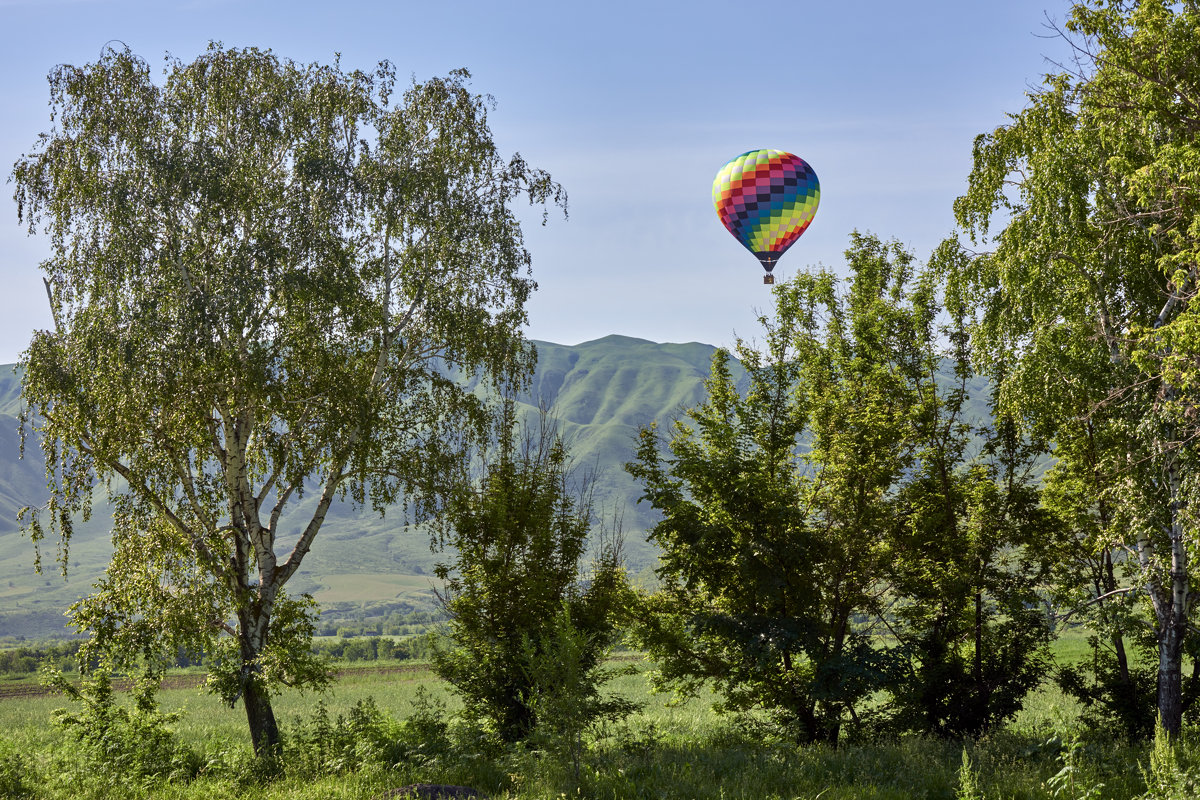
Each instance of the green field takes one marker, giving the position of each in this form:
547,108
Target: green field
664,751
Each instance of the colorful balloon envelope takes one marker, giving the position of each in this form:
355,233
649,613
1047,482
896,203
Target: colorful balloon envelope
766,198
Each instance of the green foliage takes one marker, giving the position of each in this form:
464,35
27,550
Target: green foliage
288,659
968,781
116,743
837,482
259,273
425,731
324,745
770,552
565,699
967,579
376,648
1094,578
1121,696
515,585
670,751
1071,780
29,659
371,575
16,774
968,557
1166,778
1085,308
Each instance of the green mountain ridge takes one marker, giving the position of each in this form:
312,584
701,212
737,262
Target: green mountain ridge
599,393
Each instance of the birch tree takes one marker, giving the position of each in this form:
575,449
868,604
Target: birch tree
260,273
1088,287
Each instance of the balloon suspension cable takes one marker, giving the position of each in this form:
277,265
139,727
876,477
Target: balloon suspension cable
768,264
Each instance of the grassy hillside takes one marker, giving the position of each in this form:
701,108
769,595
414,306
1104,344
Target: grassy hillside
599,392
602,392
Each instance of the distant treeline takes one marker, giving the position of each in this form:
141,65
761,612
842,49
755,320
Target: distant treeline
64,656
376,648
29,658
395,623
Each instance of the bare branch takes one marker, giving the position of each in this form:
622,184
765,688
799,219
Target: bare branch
1061,619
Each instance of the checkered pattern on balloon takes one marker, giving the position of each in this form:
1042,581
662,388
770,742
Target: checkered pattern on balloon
766,199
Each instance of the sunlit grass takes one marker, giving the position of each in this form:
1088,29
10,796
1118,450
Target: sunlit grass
666,750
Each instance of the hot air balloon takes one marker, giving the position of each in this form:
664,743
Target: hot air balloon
766,198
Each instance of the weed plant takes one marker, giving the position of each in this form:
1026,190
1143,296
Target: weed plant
14,772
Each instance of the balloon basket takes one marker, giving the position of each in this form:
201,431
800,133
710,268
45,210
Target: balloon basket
768,279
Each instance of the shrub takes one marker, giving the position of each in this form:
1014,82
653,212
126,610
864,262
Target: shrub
520,534
15,773
127,743
324,745
566,699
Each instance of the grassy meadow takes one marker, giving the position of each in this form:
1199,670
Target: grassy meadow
377,730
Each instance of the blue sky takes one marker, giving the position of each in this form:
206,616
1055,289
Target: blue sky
633,107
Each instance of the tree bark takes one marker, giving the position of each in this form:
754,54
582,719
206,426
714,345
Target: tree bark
1170,680
1107,584
264,732
977,661
1173,618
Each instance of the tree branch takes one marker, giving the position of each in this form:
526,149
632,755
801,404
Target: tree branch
1062,619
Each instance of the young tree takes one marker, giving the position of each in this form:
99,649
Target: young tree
967,554
837,496
965,575
530,627
260,271
776,501
1089,290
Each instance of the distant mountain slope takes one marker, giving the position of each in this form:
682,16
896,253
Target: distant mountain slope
600,392
10,390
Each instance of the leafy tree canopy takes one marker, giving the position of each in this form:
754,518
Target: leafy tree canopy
527,619
1085,296
260,271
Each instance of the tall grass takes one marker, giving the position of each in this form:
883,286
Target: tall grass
341,748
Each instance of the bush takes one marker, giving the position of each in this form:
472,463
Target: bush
322,745
15,773
118,742
566,702
520,533
424,735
